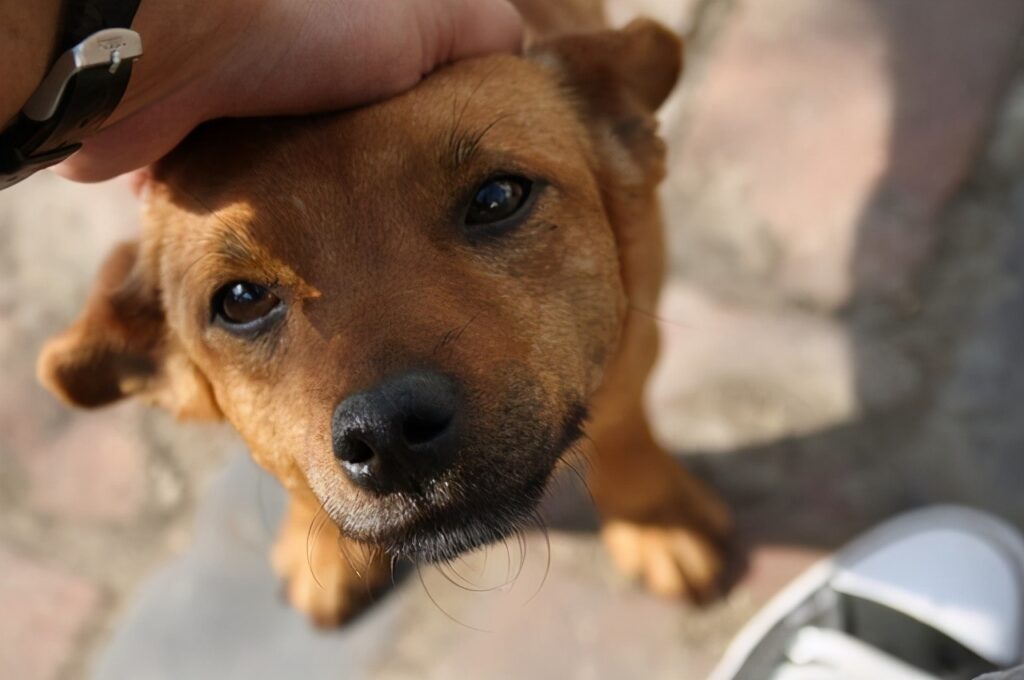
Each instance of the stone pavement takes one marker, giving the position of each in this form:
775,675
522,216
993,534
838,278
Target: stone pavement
217,612
843,330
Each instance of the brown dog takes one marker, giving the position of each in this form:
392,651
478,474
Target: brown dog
409,310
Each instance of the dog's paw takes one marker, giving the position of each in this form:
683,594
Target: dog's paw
672,536
329,579
671,561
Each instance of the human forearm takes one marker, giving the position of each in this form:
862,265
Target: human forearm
28,32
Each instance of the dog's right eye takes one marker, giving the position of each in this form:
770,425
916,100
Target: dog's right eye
500,203
244,306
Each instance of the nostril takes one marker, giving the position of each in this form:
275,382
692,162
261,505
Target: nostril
399,433
356,451
419,430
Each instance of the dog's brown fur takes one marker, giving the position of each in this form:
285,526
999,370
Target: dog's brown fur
349,218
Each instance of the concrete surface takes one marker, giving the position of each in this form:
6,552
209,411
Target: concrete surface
843,324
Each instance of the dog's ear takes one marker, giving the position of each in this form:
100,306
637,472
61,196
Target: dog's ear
119,347
619,78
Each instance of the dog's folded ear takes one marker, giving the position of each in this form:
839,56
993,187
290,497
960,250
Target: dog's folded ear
614,69
119,347
619,78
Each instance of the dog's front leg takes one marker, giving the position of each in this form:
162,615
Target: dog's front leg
327,576
660,524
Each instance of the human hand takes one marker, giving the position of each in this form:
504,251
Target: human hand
208,59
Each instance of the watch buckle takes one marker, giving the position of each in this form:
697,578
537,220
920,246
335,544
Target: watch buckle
109,47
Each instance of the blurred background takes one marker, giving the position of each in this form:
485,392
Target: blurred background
844,339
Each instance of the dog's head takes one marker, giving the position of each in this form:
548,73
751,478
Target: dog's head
403,308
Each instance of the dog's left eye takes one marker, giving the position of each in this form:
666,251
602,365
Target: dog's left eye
499,200
242,305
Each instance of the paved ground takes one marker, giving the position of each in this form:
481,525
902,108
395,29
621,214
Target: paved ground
843,326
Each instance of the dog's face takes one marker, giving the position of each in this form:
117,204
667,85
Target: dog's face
404,308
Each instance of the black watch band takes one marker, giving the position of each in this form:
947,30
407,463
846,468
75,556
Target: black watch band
82,18
82,89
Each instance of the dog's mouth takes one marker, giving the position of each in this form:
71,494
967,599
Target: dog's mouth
465,510
443,532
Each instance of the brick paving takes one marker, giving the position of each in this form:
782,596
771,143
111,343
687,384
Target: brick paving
47,610
90,503
842,331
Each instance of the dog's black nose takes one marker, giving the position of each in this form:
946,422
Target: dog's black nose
399,434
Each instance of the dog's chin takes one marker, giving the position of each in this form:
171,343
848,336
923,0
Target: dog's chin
445,543
429,532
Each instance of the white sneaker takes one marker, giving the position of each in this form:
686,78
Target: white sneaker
937,593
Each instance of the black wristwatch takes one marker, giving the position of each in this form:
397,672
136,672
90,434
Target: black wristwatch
82,88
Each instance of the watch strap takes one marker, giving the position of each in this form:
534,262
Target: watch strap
82,18
84,101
